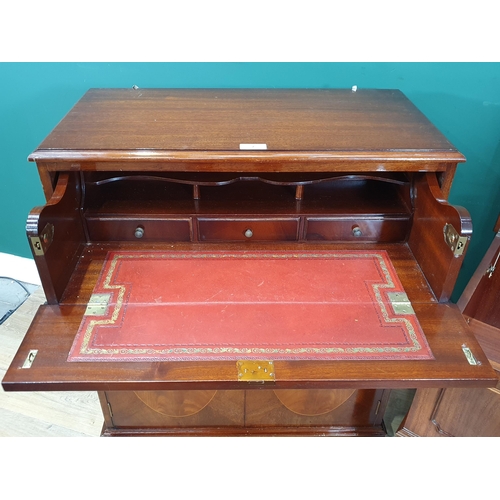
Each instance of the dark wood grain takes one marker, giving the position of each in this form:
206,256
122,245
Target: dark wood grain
123,228
166,121
432,212
481,297
92,259
489,339
382,204
454,412
239,412
164,409
237,431
301,407
244,229
479,301
62,211
55,327
357,229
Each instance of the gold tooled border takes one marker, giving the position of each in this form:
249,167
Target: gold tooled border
377,287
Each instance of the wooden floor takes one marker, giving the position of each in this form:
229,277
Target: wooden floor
78,414
63,414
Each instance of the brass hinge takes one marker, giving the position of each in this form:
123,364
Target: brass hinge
400,303
41,243
454,240
255,371
493,266
98,304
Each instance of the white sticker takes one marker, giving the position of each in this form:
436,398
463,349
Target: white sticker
253,146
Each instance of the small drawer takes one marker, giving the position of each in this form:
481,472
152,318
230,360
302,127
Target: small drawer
138,229
377,229
280,229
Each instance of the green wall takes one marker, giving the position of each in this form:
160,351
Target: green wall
461,99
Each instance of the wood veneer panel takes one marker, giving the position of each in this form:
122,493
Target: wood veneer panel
200,161
60,255
454,412
427,241
302,407
286,430
489,338
201,124
380,192
480,298
176,408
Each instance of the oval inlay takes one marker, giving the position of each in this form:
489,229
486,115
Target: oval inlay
312,402
176,403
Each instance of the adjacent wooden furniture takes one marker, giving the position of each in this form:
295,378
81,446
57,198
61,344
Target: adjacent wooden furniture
458,411
203,170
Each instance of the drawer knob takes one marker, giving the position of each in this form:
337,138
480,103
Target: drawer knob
139,232
248,233
356,231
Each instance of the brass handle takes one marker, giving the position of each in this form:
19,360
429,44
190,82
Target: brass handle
248,233
139,232
356,231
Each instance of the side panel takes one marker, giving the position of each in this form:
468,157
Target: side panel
56,236
427,239
454,412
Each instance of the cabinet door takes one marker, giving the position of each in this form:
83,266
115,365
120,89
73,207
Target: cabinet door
454,412
241,412
173,409
356,411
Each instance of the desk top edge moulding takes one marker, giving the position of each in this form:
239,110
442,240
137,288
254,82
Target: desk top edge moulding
247,261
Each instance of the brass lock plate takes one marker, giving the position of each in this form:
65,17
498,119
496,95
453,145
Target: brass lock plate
255,371
454,240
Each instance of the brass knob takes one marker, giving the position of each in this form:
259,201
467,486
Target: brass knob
139,232
356,231
248,233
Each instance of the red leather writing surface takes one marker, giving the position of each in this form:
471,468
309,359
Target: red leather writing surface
248,305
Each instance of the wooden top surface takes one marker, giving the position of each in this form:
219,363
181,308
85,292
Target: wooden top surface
183,124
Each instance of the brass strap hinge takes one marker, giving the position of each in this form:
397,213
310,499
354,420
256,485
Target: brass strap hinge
454,240
493,266
41,243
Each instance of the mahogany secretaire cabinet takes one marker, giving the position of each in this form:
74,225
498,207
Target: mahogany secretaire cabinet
247,262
